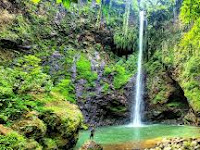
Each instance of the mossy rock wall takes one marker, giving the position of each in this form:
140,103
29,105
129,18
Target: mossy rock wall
166,101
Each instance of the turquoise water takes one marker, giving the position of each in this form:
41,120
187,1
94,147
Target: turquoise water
124,137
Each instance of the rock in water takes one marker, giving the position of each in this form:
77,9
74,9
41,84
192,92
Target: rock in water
91,145
178,144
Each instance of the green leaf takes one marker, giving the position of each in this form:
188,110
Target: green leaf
98,1
58,1
66,3
35,1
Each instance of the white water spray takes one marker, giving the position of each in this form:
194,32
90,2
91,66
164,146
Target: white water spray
139,85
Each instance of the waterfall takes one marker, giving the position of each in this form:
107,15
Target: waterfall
136,118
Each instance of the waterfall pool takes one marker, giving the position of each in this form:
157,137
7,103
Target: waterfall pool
128,138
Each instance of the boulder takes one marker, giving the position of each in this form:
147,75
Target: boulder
63,121
91,145
178,144
31,126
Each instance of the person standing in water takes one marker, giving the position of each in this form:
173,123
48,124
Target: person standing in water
92,132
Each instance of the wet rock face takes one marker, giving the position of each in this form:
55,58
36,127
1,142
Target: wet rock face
107,109
166,101
101,107
191,118
54,65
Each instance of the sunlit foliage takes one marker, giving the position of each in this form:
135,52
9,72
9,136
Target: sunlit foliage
190,10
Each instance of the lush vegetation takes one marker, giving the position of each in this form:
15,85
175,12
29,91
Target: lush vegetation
178,53
189,53
66,3
84,70
52,59
40,70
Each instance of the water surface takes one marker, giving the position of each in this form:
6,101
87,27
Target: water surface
128,138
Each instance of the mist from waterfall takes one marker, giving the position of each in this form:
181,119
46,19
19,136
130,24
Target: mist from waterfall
136,112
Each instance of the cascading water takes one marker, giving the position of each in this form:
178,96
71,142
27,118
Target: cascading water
136,118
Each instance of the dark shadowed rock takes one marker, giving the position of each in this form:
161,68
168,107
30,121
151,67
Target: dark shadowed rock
15,45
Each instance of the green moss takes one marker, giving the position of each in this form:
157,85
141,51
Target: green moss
6,82
31,126
120,78
118,109
84,70
159,98
12,141
49,144
193,96
98,46
33,145
70,54
17,83
91,94
26,76
176,104
106,87
158,83
67,89
13,108
62,118
154,67
3,118
108,70
121,71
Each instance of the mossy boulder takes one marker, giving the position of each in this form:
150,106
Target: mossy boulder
33,145
31,126
56,126
10,139
63,121
49,144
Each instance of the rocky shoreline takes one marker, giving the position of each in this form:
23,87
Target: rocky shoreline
178,144
91,145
